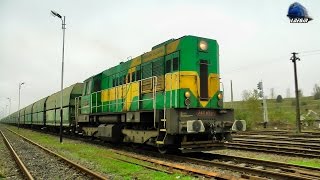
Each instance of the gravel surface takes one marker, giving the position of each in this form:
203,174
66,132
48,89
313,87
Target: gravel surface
8,167
40,164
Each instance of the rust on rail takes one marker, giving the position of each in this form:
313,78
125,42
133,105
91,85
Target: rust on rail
83,169
17,159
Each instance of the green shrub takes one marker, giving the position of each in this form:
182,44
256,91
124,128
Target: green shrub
279,99
303,103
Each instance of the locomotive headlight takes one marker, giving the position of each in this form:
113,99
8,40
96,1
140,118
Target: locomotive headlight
187,94
220,96
203,45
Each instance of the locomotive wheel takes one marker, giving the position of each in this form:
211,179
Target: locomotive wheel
228,137
163,149
135,146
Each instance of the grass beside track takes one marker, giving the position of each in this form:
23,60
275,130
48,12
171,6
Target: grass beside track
98,158
309,163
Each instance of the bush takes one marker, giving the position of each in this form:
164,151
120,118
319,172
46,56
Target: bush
316,92
279,99
303,103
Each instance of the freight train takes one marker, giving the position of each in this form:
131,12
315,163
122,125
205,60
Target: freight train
169,98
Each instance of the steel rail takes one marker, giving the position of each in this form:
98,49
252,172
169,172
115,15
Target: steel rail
308,146
289,134
274,149
260,172
279,138
311,171
81,168
301,175
23,168
178,166
242,169
259,161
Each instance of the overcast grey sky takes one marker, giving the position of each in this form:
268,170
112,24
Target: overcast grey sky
255,39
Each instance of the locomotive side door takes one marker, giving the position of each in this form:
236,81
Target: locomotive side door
172,84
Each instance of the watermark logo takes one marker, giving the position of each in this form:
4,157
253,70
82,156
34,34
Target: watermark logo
298,13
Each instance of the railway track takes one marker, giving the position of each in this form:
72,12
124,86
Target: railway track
306,134
38,162
276,148
250,168
279,138
309,146
303,147
303,171
170,165
17,159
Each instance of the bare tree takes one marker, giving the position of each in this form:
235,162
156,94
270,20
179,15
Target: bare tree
272,93
288,93
245,95
316,91
300,93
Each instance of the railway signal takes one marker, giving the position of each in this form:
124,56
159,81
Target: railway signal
259,85
264,104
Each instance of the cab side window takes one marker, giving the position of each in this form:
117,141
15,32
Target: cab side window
175,64
168,66
88,87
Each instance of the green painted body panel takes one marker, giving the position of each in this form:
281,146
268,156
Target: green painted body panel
38,118
50,117
189,56
22,115
85,104
51,102
35,119
28,114
38,109
39,106
54,104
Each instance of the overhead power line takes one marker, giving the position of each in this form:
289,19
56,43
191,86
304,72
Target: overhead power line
310,51
271,61
310,54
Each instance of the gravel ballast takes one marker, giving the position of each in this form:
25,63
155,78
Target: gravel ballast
8,167
40,164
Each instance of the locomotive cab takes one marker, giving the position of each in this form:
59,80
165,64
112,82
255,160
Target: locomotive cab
194,116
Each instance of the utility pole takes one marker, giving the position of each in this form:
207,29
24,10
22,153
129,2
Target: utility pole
294,58
264,102
231,94
9,105
20,84
63,21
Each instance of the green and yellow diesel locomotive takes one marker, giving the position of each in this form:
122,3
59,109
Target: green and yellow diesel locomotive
169,97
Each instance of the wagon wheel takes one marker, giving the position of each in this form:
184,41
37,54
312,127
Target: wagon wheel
163,149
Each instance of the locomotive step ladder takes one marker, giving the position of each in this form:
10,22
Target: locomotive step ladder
162,132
